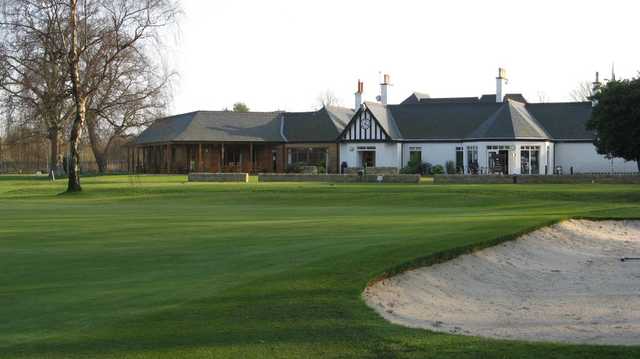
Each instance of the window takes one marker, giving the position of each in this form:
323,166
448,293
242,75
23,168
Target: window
308,156
530,160
472,160
415,154
459,159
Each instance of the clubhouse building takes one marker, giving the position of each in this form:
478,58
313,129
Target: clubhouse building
491,134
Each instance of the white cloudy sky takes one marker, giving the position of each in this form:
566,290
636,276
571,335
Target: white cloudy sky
283,54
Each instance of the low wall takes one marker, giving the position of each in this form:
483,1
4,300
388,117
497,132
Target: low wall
527,179
218,177
336,178
372,170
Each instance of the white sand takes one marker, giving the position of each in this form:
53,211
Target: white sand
564,283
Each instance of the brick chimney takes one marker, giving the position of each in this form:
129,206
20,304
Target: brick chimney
358,95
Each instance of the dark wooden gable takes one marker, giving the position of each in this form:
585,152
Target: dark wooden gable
364,127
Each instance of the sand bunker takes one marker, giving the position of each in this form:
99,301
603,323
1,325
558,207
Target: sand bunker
563,283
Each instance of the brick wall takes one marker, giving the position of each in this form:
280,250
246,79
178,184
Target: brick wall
337,178
218,177
524,179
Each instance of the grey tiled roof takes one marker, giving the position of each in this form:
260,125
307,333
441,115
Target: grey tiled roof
510,121
564,121
510,96
224,126
385,118
323,125
485,120
220,126
440,121
418,97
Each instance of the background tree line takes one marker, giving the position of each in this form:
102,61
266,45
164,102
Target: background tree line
83,70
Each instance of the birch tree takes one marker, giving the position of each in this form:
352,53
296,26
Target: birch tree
101,32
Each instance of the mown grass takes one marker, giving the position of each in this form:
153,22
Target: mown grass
154,267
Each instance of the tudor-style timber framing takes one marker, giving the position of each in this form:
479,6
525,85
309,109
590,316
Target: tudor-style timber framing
364,127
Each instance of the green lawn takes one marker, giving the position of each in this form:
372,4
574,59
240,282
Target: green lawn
153,267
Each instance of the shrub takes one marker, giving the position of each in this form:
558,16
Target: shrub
451,167
437,170
413,167
295,167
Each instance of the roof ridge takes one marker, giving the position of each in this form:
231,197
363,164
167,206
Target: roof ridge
529,117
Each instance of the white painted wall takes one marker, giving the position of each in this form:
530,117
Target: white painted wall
387,154
434,153
440,153
584,157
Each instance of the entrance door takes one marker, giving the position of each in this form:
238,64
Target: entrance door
368,158
499,161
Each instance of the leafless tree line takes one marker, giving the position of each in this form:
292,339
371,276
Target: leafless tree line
70,66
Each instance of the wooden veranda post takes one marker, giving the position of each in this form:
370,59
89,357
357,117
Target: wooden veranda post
251,157
169,158
199,166
221,158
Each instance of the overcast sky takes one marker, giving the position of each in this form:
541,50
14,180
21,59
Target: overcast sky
281,55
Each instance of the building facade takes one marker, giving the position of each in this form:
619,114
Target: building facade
478,138
252,142
491,134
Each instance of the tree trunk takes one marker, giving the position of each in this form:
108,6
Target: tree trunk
80,102
55,160
100,154
74,144
638,163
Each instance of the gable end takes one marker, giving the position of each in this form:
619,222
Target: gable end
364,128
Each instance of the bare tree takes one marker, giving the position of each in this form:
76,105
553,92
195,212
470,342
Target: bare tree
327,99
33,72
543,97
583,92
102,32
136,92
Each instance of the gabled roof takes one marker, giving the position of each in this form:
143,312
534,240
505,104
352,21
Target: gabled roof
510,121
385,118
323,125
221,126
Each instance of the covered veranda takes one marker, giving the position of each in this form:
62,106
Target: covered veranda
216,157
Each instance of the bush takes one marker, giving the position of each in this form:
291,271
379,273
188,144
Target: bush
413,167
451,167
295,167
437,170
